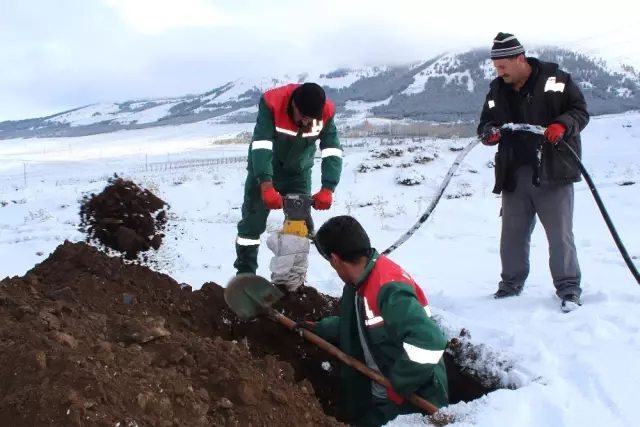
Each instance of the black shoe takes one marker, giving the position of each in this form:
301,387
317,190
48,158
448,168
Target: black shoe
570,303
504,294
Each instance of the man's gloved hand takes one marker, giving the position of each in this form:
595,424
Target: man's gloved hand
492,137
394,397
322,199
301,325
554,133
272,199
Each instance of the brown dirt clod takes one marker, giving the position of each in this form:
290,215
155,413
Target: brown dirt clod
124,217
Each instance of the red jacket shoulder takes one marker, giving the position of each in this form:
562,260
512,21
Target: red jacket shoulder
329,110
386,271
278,97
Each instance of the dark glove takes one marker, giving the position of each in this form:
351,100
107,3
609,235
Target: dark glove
301,325
554,133
492,137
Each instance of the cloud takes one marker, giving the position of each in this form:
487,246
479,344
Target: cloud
61,55
156,16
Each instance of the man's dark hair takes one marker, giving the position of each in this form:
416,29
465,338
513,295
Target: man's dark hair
344,236
310,99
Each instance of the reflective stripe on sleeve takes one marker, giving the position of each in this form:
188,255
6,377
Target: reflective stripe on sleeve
327,152
263,144
420,355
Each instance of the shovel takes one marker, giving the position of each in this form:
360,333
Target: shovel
250,295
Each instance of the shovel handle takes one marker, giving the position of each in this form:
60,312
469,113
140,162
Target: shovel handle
421,403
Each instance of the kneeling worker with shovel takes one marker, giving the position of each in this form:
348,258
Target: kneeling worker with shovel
391,348
384,322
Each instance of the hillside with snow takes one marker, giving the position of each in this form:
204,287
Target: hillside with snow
448,88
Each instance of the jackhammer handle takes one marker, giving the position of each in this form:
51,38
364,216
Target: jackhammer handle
421,403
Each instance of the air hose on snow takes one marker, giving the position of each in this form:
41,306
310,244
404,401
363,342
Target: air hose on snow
436,199
623,251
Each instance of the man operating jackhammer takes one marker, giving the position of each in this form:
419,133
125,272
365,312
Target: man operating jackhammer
281,156
384,322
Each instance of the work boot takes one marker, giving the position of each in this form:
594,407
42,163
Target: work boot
500,294
570,303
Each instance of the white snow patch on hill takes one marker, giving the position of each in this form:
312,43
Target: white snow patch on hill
149,115
88,115
440,69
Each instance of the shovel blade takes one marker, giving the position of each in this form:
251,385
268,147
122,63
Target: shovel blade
247,294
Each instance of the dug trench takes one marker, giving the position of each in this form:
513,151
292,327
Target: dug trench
87,340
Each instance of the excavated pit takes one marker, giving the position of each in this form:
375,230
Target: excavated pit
87,340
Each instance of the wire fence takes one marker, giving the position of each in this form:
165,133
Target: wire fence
187,164
40,172
73,172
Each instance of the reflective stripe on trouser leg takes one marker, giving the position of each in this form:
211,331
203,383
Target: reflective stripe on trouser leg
243,241
246,254
250,228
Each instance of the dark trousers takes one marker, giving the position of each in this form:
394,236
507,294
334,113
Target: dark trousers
383,411
554,207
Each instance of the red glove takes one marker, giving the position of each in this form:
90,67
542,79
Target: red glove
493,138
322,199
394,397
554,132
272,199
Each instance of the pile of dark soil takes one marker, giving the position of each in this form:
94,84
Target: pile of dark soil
124,218
86,340
266,337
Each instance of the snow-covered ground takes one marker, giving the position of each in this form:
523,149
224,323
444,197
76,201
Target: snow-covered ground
577,369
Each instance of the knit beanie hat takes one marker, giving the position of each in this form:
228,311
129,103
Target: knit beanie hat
309,99
506,45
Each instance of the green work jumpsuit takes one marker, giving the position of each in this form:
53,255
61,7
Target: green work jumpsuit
282,152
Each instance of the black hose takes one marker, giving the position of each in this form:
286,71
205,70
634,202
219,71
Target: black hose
605,215
436,198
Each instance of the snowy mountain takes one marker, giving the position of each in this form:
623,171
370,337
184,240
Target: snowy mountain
448,88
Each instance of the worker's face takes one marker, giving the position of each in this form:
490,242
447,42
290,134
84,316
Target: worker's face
299,119
340,267
510,69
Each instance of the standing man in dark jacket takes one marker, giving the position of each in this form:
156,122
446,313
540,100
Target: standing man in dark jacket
534,173
384,321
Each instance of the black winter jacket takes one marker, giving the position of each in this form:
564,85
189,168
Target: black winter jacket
553,97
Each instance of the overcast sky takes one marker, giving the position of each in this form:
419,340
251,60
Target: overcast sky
63,54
